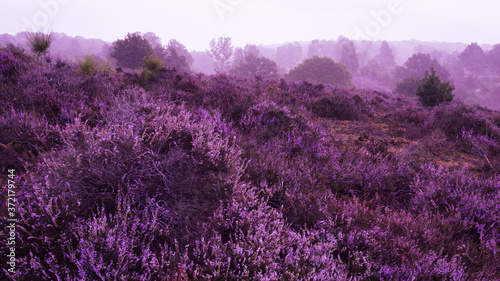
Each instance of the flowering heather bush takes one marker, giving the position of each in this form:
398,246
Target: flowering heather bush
199,177
338,107
266,121
457,117
12,62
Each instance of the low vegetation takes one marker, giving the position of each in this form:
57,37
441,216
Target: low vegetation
191,177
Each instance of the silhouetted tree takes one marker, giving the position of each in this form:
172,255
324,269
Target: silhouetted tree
177,56
131,51
241,53
417,65
253,66
321,69
493,58
386,55
221,52
315,49
456,67
289,55
472,58
155,42
376,71
321,48
349,57
381,66
432,91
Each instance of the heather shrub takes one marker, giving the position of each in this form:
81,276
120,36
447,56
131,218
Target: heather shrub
178,160
215,178
464,212
38,97
104,247
305,88
275,93
254,243
266,121
23,137
186,83
413,115
338,107
457,117
226,95
13,62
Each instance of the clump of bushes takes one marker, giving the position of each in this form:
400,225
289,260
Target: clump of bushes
90,65
87,66
455,118
266,121
323,70
340,107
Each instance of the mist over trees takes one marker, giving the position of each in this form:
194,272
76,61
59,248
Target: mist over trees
394,66
493,59
323,70
241,53
256,66
473,58
221,52
417,65
289,55
349,57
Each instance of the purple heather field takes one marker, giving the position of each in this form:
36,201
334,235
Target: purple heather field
337,159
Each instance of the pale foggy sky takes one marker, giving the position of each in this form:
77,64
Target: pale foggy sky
195,22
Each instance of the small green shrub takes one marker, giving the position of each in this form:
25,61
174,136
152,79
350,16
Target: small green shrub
151,69
432,91
87,66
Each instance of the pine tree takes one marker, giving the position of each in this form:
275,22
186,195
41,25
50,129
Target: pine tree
432,91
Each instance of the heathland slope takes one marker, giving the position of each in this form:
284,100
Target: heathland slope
191,177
